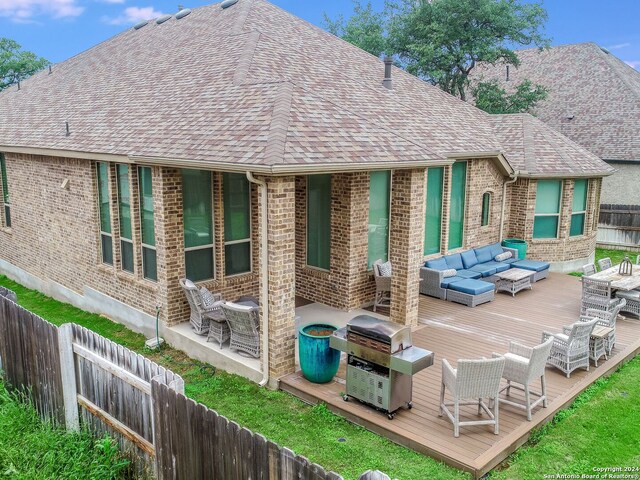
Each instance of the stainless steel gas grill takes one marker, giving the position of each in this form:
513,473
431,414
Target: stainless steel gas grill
381,362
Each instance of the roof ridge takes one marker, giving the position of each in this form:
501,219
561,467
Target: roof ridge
244,9
277,136
610,59
246,57
528,142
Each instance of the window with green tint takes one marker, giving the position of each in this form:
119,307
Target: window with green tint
145,188
456,208
124,211
433,216
379,198
106,239
579,207
5,192
198,224
237,223
319,221
486,208
547,215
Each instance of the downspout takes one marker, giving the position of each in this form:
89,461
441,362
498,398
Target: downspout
504,201
264,274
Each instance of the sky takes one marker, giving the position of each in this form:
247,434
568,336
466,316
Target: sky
59,29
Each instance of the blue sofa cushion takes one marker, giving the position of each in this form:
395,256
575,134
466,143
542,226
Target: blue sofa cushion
468,274
484,269
499,266
447,282
533,265
454,261
469,258
483,254
509,260
472,287
437,264
496,249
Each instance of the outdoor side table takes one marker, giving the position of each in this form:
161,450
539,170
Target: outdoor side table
597,343
514,280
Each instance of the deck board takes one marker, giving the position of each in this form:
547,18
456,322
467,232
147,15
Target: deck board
455,331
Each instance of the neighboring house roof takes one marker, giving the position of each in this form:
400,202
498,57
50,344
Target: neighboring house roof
594,97
534,149
249,85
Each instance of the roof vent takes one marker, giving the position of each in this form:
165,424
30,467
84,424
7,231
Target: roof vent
183,13
387,82
163,19
605,50
507,73
228,3
140,24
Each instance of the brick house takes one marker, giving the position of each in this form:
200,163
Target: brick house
257,154
594,99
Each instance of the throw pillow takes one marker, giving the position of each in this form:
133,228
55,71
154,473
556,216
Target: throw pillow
450,272
385,269
189,284
503,256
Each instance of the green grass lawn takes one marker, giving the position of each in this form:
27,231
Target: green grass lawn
33,450
616,257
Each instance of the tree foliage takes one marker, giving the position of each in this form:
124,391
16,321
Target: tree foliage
442,41
17,64
492,98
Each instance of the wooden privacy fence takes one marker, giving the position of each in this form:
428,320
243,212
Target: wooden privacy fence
76,376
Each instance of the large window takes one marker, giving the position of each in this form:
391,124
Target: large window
319,221
456,208
237,224
124,209
547,216
198,224
5,192
149,260
379,197
486,209
433,217
579,207
106,239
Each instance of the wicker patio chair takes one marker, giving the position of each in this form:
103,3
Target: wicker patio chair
588,269
206,317
596,294
244,326
472,380
604,263
608,319
383,287
523,365
570,349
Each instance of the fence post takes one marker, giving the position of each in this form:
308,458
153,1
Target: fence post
68,372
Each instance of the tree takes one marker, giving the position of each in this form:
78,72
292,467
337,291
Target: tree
17,64
492,98
365,29
441,41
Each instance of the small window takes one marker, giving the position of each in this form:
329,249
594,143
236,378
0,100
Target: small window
237,224
106,239
579,208
379,206
197,205
124,211
547,216
486,208
5,192
319,221
147,226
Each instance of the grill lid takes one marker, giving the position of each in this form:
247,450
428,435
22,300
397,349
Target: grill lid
381,330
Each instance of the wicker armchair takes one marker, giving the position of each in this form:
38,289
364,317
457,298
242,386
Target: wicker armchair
383,287
522,366
206,317
570,349
244,326
472,380
588,269
596,294
607,319
604,263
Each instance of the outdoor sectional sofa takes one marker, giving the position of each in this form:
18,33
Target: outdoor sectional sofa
475,269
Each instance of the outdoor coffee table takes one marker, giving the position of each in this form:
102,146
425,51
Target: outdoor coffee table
597,343
514,280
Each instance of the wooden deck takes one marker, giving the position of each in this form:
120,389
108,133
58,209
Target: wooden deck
454,331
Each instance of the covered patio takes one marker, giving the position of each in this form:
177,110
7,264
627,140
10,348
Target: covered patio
455,331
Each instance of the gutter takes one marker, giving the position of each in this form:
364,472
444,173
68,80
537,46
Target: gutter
512,179
264,276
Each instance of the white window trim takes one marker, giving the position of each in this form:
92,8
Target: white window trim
306,227
559,215
583,212
249,239
213,233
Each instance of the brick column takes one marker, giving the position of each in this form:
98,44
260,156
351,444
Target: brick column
407,238
281,252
